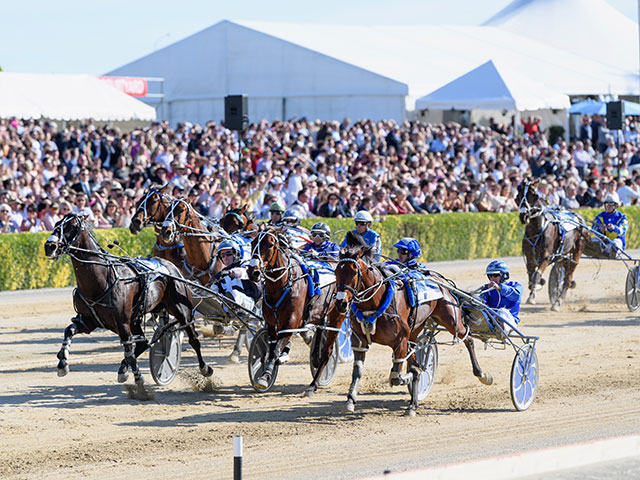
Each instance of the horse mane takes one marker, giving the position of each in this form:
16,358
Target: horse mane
356,244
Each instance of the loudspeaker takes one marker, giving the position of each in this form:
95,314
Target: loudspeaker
615,115
236,113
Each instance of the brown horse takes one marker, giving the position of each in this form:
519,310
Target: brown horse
115,293
381,314
288,303
546,241
237,219
199,242
152,210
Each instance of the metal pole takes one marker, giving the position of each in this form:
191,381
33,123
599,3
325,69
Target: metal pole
237,457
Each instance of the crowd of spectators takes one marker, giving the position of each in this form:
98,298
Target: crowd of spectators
326,169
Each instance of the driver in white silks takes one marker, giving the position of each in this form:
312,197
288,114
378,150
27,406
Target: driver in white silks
502,294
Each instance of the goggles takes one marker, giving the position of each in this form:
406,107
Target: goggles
403,251
225,254
362,223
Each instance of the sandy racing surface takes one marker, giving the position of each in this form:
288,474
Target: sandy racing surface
85,425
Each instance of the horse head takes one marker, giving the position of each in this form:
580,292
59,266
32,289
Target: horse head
64,235
235,219
180,217
150,210
265,249
527,199
350,274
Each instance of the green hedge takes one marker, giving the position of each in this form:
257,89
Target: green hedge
449,236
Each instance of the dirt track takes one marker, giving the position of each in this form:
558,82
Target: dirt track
85,425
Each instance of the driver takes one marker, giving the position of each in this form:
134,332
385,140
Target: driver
321,245
276,211
502,294
233,278
409,250
363,221
612,224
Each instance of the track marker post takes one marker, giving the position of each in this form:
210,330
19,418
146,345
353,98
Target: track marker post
237,457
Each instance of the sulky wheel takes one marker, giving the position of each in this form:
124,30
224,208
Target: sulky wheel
258,356
632,289
524,377
165,353
256,325
345,352
556,281
329,372
427,359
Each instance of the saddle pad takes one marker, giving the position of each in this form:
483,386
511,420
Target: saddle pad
153,265
426,291
568,220
299,237
324,273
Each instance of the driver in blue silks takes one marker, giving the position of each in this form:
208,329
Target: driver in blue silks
321,245
502,294
611,223
363,221
409,251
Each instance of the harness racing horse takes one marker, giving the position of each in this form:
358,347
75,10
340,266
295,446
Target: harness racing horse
236,219
115,293
199,242
290,300
152,210
381,314
546,241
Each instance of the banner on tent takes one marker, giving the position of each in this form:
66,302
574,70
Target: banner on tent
136,87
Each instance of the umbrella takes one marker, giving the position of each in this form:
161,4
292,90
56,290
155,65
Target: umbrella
591,107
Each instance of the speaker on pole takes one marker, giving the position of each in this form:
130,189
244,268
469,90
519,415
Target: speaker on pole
615,115
236,112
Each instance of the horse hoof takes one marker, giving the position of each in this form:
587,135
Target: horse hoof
140,380
309,393
486,379
63,371
531,301
410,413
284,358
261,384
206,371
122,377
572,284
350,407
555,307
233,358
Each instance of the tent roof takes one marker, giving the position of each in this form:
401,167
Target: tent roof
428,56
590,28
67,97
492,88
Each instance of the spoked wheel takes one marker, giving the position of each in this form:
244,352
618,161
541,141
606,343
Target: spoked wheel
556,281
329,371
256,325
632,290
165,353
258,356
427,358
345,352
524,377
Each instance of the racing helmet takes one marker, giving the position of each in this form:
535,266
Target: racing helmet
276,207
229,245
321,228
611,198
363,216
292,218
411,245
498,267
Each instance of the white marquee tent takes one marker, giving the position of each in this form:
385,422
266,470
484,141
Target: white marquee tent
488,87
281,79
67,97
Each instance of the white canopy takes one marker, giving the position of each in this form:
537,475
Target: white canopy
490,88
67,97
590,28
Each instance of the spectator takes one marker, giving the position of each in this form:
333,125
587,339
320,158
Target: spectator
332,208
7,225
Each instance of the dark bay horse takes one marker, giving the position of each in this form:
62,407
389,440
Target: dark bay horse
237,219
364,287
288,303
152,209
546,241
115,293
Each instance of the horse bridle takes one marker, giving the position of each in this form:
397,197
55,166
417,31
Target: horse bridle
264,267
65,245
143,207
357,295
531,211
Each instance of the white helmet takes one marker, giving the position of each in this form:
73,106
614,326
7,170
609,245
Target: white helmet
611,198
363,216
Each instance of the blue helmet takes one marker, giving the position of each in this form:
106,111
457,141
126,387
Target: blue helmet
411,245
497,266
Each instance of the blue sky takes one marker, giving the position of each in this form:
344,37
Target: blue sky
84,36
